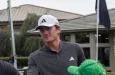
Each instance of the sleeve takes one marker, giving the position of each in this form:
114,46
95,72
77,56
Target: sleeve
8,69
33,69
81,56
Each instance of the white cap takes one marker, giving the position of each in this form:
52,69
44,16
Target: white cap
47,20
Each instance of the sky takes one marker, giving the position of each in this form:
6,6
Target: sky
82,7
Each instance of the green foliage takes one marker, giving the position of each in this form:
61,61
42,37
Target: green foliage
28,44
31,44
22,61
24,44
5,45
29,23
19,43
5,58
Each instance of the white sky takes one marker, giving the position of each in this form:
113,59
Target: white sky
83,7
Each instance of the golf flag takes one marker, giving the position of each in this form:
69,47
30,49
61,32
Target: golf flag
102,13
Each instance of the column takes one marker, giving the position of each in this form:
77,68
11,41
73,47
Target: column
112,52
72,38
92,45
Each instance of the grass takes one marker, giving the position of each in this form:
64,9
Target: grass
109,73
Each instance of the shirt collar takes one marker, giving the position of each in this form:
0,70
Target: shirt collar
49,50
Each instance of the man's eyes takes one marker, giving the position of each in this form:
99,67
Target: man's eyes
47,28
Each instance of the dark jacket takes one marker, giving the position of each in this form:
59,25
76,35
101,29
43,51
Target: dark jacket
7,69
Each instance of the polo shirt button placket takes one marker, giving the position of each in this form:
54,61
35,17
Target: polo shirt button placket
57,56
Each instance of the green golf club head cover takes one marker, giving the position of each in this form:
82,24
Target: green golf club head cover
88,67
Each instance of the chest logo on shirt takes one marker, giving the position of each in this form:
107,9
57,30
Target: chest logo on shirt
71,59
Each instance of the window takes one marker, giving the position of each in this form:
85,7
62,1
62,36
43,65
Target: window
103,38
87,52
103,55
65,37
82,37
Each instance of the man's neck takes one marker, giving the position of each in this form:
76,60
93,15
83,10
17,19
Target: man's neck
54,46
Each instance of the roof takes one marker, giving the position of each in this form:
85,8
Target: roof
87,22
19,13
84,23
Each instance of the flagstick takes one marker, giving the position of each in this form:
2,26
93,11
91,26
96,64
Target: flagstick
12,35
97,30
97,43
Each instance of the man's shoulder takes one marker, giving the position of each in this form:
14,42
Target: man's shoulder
3,63
7,69
37,52
70,44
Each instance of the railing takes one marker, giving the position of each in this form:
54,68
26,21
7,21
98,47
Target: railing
23,71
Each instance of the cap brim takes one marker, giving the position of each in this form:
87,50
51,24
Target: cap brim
73,70
45,25
37,28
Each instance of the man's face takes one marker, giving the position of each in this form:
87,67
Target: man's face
49,34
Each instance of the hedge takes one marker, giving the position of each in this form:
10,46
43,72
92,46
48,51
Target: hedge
21,61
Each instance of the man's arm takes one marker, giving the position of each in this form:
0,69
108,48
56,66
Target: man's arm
33,69
81,56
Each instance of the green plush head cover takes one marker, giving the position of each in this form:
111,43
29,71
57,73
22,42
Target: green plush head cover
88,67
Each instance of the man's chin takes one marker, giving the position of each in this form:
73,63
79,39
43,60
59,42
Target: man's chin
48,41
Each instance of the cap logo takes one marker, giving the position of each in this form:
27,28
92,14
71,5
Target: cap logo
43,21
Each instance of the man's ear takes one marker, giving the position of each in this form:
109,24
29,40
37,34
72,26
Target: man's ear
59,29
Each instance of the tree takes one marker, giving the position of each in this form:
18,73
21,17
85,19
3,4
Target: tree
30,22
28,44
5,45
24,44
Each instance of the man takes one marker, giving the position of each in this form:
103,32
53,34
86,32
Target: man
55,57
7,69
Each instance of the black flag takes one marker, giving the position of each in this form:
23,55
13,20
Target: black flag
102,13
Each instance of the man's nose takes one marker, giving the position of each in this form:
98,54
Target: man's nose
45,31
